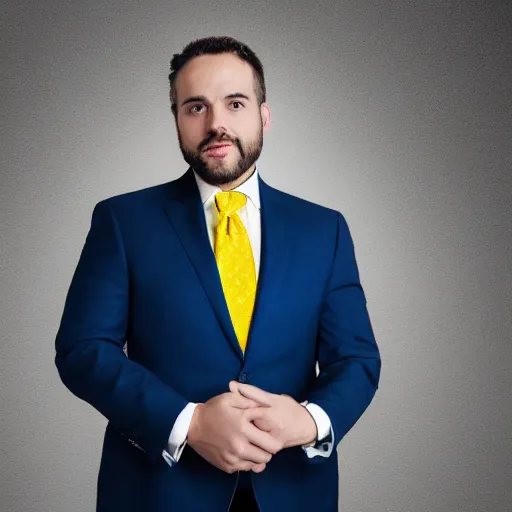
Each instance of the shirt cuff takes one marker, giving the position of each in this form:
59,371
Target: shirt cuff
178,436
324,443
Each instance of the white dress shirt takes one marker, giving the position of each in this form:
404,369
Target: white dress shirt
250,216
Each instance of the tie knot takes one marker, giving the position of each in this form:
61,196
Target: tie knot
229,202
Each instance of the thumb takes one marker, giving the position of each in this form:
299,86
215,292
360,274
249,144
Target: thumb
233,386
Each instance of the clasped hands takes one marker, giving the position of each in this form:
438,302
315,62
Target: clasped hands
241,430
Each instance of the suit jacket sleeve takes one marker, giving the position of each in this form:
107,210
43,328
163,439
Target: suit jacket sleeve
90,340
348,357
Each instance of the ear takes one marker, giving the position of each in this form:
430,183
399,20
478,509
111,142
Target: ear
265,116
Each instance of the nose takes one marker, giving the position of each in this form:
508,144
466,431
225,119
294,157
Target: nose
216,119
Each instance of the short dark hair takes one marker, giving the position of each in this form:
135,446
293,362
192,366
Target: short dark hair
213,46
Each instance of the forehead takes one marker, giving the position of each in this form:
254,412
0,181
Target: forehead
215,75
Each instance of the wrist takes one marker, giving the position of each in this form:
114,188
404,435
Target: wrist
309,429
193,430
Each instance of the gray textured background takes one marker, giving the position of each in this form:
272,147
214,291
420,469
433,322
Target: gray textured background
397,114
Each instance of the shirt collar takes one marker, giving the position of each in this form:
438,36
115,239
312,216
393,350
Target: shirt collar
249,187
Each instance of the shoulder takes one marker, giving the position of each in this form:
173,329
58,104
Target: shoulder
148,195
151,199
304,210
131,206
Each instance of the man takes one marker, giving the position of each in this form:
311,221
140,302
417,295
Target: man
227,293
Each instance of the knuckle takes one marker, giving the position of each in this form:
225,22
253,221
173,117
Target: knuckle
238,447
229,459
244,466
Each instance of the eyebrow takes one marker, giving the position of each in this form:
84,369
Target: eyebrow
203,99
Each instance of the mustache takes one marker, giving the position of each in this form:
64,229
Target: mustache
213,138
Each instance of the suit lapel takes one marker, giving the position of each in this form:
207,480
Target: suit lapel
185,211
275,248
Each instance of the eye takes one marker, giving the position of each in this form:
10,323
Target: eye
237,105
196,109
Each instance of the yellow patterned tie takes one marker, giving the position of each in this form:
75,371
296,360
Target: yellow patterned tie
235,260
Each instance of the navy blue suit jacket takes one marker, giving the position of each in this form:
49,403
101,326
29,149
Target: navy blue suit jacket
147,275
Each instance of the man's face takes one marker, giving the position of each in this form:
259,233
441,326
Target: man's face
219,122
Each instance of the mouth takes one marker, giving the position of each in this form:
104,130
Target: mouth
218,150
218,145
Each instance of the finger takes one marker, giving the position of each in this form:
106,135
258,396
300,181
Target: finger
261,417
256,394
249,466
233,386
261,413
264,425
244,465
241,402
255,455
258,468
263,440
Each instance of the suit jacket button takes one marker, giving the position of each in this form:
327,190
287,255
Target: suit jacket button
243,377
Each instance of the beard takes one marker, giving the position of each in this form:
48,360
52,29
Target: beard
220,174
